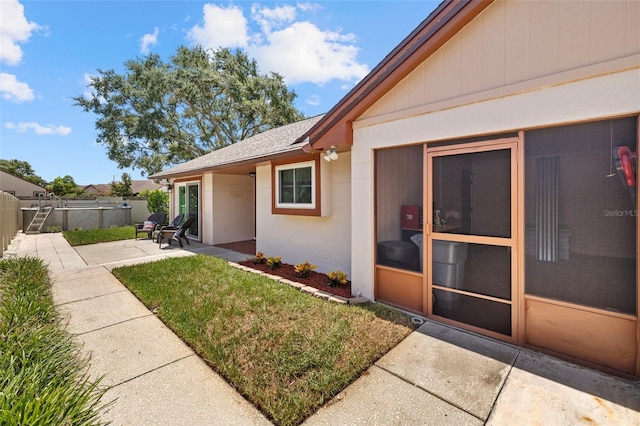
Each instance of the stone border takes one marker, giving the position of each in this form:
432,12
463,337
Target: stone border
307,289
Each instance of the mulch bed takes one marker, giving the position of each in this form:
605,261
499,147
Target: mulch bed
315,279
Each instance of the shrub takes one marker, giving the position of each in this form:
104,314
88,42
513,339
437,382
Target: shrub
54,229
274,262
43,377
303,270
259,258
337,278
157,201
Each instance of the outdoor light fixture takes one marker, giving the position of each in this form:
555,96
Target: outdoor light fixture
331,154
164,182
252,174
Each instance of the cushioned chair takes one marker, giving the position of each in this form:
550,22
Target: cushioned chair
176,234
175,224
152,223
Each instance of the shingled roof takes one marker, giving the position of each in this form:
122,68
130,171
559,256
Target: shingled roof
137,186
254,149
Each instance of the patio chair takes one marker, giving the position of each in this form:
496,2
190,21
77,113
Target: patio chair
176,234
151,224
175,224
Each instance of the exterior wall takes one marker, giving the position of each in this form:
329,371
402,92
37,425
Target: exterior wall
601,96
139,211
81,218
21,187
324,241
208,218
226,207
233,208
518,41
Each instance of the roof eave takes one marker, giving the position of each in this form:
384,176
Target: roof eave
445,21
284,153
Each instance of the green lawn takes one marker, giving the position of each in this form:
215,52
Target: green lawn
93,236
286,351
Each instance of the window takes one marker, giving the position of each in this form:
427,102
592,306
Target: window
296,188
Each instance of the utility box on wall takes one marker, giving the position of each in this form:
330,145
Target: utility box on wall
411,217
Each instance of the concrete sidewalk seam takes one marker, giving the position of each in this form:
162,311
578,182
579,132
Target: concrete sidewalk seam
504,382
156,369
453,404
90,298
150,314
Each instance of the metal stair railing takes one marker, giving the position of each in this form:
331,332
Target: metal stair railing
35,227
45,206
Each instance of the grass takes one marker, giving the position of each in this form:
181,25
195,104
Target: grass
93,236
286,351
43,379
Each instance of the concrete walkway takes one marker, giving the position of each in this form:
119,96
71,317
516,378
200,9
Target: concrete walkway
438,375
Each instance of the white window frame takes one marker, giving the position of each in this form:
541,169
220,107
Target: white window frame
278,169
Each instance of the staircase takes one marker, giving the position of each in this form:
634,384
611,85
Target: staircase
35,227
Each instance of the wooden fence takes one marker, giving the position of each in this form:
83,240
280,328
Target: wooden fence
9,218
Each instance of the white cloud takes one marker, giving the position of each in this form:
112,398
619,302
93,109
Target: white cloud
148,40
296,49
221,28
14,29
14,90
309,7
302,52
39,129
313,100
270,18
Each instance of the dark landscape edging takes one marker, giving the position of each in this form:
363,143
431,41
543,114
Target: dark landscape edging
302,287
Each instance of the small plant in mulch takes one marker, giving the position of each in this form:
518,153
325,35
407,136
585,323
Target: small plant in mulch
303,270
274,262
259,259
337,278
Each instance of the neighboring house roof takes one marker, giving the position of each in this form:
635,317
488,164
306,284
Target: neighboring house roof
137,186
265,145
16,184
97,189
442,24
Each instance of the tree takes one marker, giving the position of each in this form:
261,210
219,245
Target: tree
157,201
64,186
23,170
160,114
122,188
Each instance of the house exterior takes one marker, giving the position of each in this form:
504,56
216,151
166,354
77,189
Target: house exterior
485,178
19,187
235,193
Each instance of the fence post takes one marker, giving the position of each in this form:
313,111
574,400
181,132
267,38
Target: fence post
9,210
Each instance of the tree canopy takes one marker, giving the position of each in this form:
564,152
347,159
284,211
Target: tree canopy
22,169
158,114
122,188
65,186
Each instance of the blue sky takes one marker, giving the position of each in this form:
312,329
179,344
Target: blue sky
49,48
